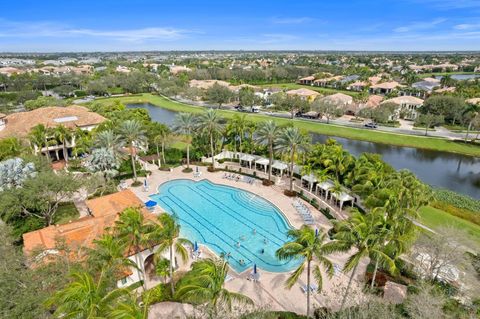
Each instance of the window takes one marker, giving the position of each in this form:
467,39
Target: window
124,280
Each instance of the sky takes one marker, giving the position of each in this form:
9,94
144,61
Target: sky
107,25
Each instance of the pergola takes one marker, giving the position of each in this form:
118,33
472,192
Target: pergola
342,198
263,161
323,188
279,165
310,179
247,158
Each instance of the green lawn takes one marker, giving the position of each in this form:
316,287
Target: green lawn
65,213
431,143
323,90
429,75
436,219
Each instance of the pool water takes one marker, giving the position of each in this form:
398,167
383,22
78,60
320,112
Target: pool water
230,221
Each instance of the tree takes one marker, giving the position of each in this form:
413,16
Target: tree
185,124
14,172
103,160
427,302
205,284
209,123
471,111
449,107
132,133
63,134
239,124
39,197
292,141
132,229
310,246
39,136
162,268
247,97
164,232
43,101
161,139
86,297
327,108
267,134
218,94
110,141
10,147
291,103
429,120
359,232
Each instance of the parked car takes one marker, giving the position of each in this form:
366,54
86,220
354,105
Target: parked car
371,125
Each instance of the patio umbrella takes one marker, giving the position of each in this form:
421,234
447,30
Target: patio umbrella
255,274
316,232
145,182
254,268
195,246
150,204
196,169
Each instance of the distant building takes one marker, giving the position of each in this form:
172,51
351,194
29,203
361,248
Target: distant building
306,80
304,94
407,106
384,88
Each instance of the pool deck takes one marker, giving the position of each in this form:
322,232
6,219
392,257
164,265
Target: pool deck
269,292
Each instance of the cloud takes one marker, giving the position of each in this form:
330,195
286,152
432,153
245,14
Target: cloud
48,29
291,20
451,4
419,26
467,26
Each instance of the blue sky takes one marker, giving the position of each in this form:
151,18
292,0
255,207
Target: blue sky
106,25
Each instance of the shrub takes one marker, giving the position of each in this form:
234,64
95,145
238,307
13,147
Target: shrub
211,169
157,294
457,200
221,161
136,184
290,193
267,182
187,170
326,213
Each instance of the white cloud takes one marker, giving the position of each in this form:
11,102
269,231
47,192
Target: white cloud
291,20
48,29
420,25
467,26
451,4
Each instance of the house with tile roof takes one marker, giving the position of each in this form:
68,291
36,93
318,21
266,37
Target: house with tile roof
80,234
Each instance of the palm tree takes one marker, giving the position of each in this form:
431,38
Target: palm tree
185,124
132,133
240,124
85,298
205,283
309,245
472,110
39,138
129,308
267,134
209,122
164,232
292,141
132,229
360,232
162,138
109,252
62,134
109,140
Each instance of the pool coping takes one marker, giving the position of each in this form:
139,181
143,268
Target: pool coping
287,220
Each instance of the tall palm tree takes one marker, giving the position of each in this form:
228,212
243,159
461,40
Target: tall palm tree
267,134
205,283
109,252
292,141
133,134
240,124
209,123
164,232
310,246
185,124
132,229
162,139
360,232
109,140
39,138
129,308
472,110
63,134
86,298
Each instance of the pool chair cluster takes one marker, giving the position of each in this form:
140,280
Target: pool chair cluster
238,178
313,288
304,211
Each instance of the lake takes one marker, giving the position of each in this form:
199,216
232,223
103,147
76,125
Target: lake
459,173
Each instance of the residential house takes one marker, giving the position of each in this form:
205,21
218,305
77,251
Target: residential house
20,124
9,71
40,245
407,107
307,80
330,81
304,94
427,84
357,86
384,88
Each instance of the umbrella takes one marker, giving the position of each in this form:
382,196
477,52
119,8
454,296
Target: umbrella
254,268
196,169
316,232
255,274
195,246
150,204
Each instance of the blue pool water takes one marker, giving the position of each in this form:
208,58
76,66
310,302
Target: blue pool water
223,217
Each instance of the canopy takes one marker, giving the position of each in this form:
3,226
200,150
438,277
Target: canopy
344,197
247,157
150,203
262,161
325,185
279,165
309,178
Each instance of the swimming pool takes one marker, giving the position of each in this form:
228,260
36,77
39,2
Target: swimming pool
229,221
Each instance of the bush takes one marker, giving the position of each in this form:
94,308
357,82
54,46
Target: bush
457,200
157,294
326,213
267,182
290,193
136,184
221,161
80,93
187,170
211,169
173,155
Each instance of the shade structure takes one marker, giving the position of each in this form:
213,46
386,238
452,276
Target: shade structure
309,178
247,157
279,165
262,161
150,204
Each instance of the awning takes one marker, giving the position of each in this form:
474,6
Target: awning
344,197
279,165
262,161
325,185
247,158
309,178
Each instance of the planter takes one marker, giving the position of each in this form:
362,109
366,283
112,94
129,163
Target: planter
290,193
267,182
136,184
187,170
211,169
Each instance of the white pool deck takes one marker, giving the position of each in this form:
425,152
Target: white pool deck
269,292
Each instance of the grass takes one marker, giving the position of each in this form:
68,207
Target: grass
430,143
436,219
429,75
323,90
66,212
